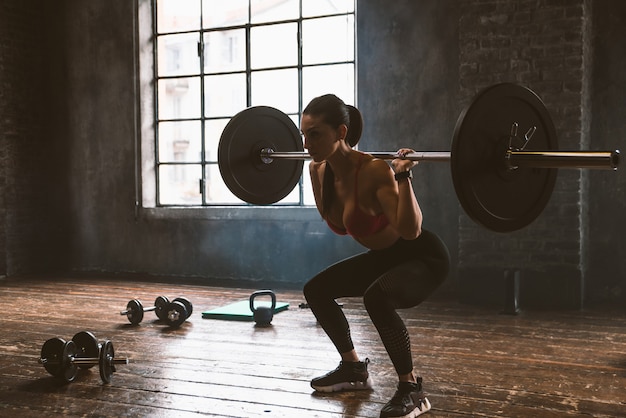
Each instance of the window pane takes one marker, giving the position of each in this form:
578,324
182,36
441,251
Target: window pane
178,55
179,184
216,191
328,39
274,46
225,51
277,88
177,15
179,98
273,11
180,141
336,79
213,131
318,8
224,95
221,13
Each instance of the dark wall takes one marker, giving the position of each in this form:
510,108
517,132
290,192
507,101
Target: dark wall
553,48
71,171
30,165
606,278
408,93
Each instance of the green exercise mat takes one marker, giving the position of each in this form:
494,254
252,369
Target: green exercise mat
240,311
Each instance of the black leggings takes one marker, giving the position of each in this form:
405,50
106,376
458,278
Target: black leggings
400,276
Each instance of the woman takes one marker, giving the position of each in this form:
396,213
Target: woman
361,196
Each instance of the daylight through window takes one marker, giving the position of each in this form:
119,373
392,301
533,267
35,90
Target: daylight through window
215,58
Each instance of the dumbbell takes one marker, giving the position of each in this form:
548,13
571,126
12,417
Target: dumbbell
135,310
178,311
173,313
62,358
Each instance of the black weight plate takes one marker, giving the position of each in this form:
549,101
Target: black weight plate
161,303
502,200
240,164
69,369
107,354
134,311
187,303
51,354
86,347
176,314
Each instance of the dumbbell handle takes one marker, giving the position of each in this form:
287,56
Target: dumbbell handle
87,361
148,309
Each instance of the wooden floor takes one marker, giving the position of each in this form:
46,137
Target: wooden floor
475,362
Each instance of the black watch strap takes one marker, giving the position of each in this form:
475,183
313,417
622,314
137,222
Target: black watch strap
403,175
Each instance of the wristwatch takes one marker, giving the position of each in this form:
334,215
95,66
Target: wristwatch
403,175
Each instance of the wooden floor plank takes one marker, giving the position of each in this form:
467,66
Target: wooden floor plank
475,361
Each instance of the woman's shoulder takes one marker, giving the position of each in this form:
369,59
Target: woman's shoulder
374,165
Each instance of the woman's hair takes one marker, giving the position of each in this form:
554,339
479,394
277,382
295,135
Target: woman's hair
335,112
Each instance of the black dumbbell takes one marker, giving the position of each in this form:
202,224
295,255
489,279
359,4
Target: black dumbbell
173,313
178,311
135,310
62,358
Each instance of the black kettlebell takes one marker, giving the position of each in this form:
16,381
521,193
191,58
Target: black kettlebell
263,315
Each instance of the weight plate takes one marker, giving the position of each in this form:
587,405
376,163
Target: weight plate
69,369
176,314
161,303
498,198
107,354
51,354
86,347
187,303
134,311
240,164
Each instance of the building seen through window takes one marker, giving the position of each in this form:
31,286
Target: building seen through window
215,58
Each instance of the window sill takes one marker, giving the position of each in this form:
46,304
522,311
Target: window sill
267,213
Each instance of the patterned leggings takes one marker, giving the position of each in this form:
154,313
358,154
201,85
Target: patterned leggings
401,276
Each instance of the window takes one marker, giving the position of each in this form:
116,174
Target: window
214,58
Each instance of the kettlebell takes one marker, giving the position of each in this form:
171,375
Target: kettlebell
263,315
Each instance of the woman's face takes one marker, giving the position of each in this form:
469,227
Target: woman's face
320,138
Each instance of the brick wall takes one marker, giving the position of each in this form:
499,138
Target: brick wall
23,150
539,44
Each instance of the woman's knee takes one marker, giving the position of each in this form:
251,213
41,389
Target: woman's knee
374,299
314,289
309,290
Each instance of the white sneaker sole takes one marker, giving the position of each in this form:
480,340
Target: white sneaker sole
417,411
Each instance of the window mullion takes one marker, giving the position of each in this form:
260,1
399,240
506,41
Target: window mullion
203,162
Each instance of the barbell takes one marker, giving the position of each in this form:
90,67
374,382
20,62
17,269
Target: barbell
504,157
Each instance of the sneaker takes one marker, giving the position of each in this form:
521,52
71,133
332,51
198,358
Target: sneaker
408,402
348,376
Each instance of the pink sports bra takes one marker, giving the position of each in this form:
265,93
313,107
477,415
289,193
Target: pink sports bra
360,224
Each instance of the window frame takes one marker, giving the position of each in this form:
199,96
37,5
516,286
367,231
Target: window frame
150,162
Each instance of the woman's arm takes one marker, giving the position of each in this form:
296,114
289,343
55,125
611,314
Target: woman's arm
397,198
316,172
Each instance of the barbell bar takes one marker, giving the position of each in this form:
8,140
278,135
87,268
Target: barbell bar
547,159
502,180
